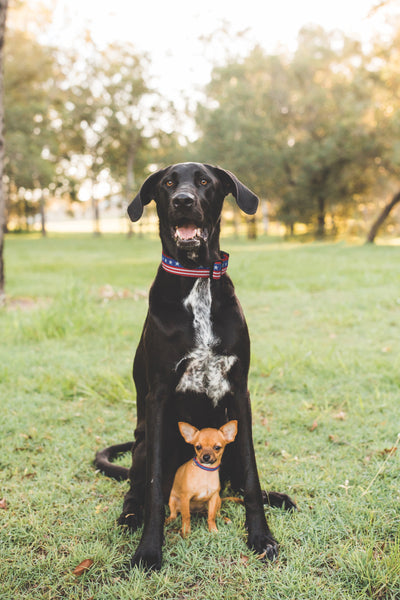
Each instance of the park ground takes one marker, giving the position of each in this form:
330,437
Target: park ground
324,320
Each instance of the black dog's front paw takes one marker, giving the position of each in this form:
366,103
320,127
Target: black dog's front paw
264,545
147,558
131,520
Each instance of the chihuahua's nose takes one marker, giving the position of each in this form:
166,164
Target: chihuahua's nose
206,458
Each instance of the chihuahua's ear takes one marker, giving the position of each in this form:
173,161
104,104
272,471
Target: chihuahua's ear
229,431
188,432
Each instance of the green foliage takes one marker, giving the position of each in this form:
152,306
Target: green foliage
102,117
84,115
303,129
29,79
314,131
324,381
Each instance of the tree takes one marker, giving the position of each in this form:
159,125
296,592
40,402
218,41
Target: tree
377,224
234,122
3,12
103,120
385,114
125,141
31,81
331,141
81,118
294,125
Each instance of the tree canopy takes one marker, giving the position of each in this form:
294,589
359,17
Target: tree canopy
306,129
315,131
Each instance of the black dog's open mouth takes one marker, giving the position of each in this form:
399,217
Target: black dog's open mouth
189,235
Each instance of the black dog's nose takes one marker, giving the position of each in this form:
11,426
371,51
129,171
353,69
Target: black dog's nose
183,199
206,458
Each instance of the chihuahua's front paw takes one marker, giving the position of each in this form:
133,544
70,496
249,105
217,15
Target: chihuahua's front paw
212,527
185,531
148,558
264,545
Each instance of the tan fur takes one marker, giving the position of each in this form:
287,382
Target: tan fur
195,489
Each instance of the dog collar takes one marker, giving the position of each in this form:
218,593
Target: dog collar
196,462
215,271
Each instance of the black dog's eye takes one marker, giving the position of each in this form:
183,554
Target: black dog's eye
169,183
203,181
198,447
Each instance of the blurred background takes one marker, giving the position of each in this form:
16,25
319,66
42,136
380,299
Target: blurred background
300,100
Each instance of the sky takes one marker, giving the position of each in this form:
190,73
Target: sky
169,31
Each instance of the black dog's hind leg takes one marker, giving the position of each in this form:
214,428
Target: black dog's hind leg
279,500
132,509
149,551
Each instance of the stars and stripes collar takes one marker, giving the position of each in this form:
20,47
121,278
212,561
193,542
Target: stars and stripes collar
196,462
214,271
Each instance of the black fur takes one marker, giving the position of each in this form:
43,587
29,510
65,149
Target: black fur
188,193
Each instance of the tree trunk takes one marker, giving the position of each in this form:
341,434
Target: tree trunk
382,217
42,209
42,215
130,184
265,216
321,217
95,208
3,12
236,220
96,216
26,213
252,228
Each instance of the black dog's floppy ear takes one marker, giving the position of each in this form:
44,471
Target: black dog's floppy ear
245,198
145,195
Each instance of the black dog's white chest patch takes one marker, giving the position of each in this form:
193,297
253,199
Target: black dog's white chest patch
207,371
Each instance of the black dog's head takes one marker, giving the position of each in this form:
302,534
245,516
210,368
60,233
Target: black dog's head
189,198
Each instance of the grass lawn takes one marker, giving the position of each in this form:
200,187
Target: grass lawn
324,321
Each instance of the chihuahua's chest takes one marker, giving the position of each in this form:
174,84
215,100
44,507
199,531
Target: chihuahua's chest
206,370
207,484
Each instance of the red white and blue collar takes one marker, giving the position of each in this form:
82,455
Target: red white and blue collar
214,271
198,464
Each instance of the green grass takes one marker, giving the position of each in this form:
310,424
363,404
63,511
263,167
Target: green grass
324,321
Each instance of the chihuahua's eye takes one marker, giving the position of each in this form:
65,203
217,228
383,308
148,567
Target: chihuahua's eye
203,181
216,448
198,447
169,183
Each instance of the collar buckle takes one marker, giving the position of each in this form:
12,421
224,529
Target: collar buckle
215,269
219,267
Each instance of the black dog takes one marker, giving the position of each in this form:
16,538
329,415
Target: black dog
192,360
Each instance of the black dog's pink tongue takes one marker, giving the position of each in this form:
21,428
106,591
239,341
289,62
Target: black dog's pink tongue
186,232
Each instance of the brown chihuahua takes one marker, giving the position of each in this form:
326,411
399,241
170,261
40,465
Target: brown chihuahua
196,484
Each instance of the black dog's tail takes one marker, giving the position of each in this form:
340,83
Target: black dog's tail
103,461
270,498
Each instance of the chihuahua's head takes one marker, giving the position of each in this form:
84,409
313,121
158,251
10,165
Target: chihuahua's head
209,444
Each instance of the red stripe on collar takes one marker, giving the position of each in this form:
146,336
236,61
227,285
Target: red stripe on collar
214,271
